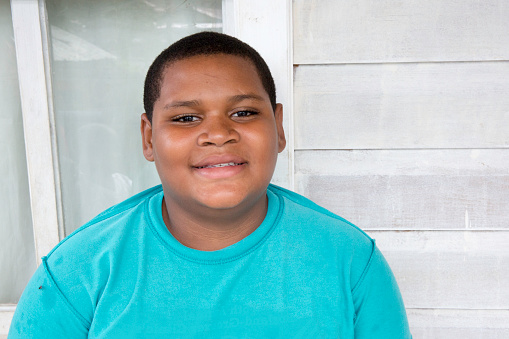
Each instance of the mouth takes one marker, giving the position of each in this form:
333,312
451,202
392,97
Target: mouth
219,160
226,164
220,166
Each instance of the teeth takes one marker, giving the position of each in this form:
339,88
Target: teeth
221,165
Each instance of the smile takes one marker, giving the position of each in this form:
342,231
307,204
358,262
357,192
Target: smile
221,165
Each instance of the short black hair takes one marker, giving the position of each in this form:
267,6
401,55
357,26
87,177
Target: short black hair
203,43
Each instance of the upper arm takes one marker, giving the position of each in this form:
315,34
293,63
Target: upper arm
379,308
44,312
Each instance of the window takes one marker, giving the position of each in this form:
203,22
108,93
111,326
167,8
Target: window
16,236
82,86
100,53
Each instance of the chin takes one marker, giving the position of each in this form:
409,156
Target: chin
222,203
229,200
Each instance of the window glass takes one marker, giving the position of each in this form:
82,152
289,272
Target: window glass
17,252
100,52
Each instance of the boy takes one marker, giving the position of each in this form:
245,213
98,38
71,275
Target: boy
215,251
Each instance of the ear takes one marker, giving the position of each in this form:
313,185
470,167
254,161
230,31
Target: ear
278,114
146,137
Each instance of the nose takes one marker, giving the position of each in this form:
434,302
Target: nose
218,131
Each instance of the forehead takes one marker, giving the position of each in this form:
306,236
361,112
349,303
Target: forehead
205,60
193,74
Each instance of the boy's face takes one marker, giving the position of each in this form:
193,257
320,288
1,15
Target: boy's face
214,137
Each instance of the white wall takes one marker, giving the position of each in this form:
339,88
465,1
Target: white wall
401,115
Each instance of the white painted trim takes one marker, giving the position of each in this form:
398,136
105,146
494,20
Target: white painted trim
36,123
51,113
229,17
6,313
290,104
7,307
266,25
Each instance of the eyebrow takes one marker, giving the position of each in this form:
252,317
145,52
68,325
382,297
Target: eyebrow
238,98
185,103
232,100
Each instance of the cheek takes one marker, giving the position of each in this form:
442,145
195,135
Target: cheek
169,150
271,137
265,142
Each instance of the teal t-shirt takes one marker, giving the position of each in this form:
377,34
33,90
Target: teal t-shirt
303,273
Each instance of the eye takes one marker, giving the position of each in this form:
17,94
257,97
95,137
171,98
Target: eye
185,118
244,114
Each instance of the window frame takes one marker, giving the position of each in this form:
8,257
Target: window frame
29,22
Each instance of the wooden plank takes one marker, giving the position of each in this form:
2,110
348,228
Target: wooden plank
464,324
410,189
6,313
449,269
331,31
386,106
36,123
266,26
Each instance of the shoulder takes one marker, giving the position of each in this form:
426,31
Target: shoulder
107,226
82,262
305,213
324,233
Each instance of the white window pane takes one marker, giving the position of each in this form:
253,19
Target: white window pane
17,252
101,51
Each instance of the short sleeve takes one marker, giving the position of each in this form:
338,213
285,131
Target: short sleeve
43,312
379,309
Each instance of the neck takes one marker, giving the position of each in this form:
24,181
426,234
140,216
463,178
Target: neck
214,230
